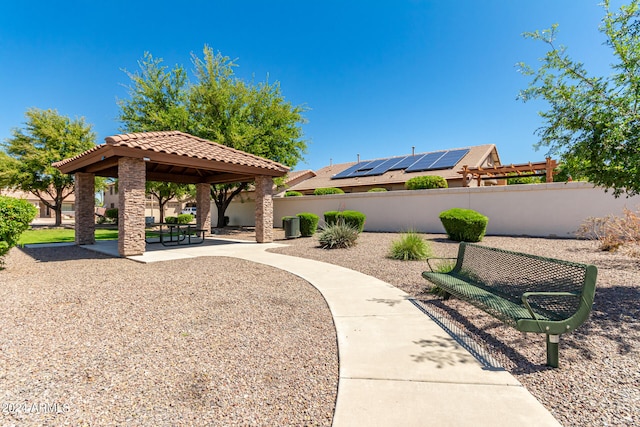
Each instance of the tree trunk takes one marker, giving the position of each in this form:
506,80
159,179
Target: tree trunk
222,208
161,208
58,211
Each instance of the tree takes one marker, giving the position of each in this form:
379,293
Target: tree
163,192
26,158
593,123
218,106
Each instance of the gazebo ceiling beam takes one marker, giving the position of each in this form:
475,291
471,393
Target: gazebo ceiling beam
111,162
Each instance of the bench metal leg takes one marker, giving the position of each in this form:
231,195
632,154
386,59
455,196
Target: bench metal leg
553,342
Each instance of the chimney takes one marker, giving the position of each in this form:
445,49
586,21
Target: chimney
358,157
413,150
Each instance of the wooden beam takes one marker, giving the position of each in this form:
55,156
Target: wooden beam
108,163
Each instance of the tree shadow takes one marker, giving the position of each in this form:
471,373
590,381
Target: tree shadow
388,301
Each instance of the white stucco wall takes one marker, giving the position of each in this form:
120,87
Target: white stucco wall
554,210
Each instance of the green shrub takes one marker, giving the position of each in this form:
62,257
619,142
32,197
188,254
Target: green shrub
15,216
411,246
426,182
292,194
338,235
526,180
184,218
353,218
329,190
112,215
308,224
171,219
331,217
377,190
464,225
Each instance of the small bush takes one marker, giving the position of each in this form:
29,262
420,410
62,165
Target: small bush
338,235
292,194
612,231
184,218
325,191
353,218
308,224
171,220
464,225
331,217
377,190
112,215
526,180
15,216
410,247
426,182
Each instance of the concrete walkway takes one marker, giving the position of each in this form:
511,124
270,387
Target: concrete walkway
398,367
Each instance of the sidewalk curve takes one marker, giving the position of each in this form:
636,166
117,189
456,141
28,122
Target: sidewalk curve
397,366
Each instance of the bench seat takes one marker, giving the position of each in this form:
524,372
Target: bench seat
508,311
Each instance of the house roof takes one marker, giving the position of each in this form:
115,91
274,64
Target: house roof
296,177
476,157
173,156
18,194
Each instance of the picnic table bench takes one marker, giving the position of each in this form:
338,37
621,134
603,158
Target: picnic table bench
528,292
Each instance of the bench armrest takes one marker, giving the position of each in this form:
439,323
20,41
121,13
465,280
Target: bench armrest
429,259
526,295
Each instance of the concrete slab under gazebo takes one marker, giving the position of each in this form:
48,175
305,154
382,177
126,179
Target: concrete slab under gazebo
169,156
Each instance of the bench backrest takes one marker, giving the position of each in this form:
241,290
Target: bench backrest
510,274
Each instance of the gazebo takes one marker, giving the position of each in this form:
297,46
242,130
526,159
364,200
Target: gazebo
170,156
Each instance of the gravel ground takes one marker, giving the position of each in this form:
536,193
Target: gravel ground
89,340
122,343
598,383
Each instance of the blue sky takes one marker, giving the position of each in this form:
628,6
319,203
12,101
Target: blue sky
379,77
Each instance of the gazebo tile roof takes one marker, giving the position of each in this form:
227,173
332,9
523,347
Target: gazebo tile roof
182,144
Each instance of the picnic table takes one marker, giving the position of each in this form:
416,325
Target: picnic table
176,234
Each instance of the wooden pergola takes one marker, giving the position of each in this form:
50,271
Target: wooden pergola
545,168
169,156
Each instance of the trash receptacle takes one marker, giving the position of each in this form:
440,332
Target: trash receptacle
291,225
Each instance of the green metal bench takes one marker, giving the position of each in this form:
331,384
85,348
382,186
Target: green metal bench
528,292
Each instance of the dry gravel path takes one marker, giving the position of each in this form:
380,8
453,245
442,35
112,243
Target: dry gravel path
206,341
598,383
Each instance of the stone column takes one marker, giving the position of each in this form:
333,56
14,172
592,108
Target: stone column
264,209
203,213
85,224
131,201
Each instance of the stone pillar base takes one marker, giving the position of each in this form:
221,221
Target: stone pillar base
264,209
203,215
131,201
85,223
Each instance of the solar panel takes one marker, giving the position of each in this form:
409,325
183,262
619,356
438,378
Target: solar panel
366,168
450,159
405,162
425,162
347,172
414,163
384,166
